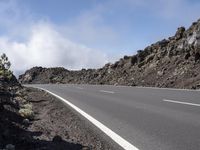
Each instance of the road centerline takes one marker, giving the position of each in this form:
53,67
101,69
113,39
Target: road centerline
79,88
181,102
110,92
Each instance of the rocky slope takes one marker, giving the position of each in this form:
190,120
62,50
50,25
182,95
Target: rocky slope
31,119
172,62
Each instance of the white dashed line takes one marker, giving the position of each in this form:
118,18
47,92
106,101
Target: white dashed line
115,137
179,102
110,92
79,88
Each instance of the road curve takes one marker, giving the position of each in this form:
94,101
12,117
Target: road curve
148,118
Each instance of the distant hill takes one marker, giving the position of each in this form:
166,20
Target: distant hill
172,62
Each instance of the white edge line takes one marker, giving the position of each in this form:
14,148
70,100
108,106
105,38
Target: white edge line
110,92
115,137
179,102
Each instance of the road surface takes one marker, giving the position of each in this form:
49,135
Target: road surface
148,118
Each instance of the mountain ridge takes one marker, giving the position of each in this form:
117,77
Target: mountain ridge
172,62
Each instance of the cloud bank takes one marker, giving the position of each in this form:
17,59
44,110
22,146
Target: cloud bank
30,41
47,47
105,32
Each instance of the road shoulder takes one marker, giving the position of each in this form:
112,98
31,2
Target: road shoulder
56,119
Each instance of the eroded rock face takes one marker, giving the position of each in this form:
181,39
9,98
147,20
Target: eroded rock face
173,62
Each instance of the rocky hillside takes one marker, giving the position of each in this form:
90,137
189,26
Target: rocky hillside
31,119
172,62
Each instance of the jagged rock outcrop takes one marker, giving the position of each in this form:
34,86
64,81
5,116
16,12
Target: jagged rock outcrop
172,62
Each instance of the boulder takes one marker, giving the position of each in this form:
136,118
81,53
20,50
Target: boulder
179,33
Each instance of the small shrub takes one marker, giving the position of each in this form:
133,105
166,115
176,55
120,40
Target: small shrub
28,106
7,74
27,111
20,99
5,67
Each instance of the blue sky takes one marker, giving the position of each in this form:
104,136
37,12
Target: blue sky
86,33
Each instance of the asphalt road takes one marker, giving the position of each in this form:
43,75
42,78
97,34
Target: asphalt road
148,118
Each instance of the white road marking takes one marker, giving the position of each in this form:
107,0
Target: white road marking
157,88
114,136
110,92
79,88
179,102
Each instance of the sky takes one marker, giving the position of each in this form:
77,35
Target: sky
78,34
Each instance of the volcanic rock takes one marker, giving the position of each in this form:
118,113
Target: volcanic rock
172,62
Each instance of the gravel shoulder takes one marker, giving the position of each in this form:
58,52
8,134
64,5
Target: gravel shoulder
60,127
46,123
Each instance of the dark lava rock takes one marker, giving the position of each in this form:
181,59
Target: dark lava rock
26,122
10,147
179,33
57,139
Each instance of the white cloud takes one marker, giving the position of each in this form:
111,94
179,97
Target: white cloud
29,42
91,28
45,46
